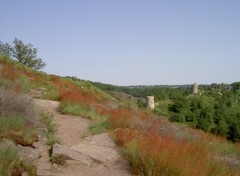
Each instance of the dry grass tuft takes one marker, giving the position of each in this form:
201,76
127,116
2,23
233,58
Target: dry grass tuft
14,104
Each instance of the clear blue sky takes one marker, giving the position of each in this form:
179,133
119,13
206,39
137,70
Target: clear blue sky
130,42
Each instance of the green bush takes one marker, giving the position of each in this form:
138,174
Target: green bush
11,123
8,158
52,139
79,110
98,128
25,84
6,59
23,166
52,93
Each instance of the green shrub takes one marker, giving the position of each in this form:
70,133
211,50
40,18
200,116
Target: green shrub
11,123
23,166
98,128
10,163
14,128
52,93
52,139
73,109
8,158
25,85
79,110
6,59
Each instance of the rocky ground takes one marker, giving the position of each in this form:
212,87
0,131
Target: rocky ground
86,154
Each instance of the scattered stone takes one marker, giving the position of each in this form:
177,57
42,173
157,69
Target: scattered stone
28,153
60,150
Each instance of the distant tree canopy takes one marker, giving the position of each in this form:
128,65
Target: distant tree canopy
5,49
215,109
23,53
212,112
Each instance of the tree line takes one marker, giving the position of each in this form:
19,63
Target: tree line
215,109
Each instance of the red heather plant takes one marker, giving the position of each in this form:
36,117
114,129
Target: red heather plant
154,155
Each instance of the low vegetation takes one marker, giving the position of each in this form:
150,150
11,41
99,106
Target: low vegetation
161,155
100,120
47,121
17,123
10,163
17,118
59,160
153,152
8,158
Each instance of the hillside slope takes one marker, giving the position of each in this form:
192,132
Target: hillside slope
153,145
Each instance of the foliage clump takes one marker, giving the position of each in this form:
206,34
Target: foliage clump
23,53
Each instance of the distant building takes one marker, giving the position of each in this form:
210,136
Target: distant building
195,88
150,102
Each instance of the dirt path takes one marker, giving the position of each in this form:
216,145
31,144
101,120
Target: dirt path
103,156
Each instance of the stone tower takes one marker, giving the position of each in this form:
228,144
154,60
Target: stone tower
195,88
150,102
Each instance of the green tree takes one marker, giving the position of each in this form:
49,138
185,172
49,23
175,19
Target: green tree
205,119
235,86
5,49
234,129
179,109
27,55
196,103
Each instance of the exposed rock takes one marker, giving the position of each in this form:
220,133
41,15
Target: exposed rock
28,153
43,168
47,105
100,153
102,139
60,150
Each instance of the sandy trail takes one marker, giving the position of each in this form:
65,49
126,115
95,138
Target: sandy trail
74,134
